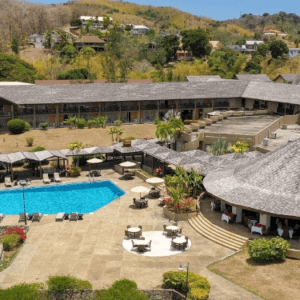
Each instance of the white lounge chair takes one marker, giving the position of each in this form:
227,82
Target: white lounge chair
56,177
46,178
1,217
8,181
36,217
60,216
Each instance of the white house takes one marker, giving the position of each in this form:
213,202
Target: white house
84,19
293,52
251,46
139,29
37,40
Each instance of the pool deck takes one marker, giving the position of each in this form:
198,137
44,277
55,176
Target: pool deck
91,249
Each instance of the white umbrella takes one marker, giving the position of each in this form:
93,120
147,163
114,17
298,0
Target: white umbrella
94,161
140,189
127,164
155,180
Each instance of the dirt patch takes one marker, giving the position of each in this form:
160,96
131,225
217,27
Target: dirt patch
60,138
270,281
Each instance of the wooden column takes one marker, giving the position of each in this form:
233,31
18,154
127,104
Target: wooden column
57,116
34,117
41,175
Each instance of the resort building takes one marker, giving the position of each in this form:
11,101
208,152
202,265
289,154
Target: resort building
90,41
142,103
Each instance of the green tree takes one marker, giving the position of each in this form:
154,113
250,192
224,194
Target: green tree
197,41
220,147
76,74
48,39
262,49
75,146
75,22
87,53
112,131
68,51
15,44
170,44
252,68
278,48
106,21
158,57
163,131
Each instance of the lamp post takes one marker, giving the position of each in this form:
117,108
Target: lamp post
187,266
24,203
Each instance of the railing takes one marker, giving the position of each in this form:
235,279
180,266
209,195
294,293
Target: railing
149,107
23,112
90,109
111,108
45,111
187,105
169,106
69,110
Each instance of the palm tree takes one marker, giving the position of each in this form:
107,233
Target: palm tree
163,131
72,122
75,146
119,132
178,126
220,147
112,131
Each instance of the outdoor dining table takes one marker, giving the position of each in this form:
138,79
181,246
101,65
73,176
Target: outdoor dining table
280,232
135,231
226,217
257,228
141,203
179,241
141,244
172,228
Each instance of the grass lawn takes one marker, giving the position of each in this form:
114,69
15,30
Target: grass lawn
8,257
60,138
269,281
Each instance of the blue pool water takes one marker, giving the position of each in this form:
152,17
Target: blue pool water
51,199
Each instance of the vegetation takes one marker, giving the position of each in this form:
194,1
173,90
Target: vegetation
23,291
263,250
240,147
29,141
12,238
220,147
16,126
57,284
44,125
76,74
196,286
38,148
122,289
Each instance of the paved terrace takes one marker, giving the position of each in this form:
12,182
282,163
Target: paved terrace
241,125
92,249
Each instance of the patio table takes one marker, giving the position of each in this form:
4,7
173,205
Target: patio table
280,232
172,228
180,241
257,229
226,218
135,231
141,245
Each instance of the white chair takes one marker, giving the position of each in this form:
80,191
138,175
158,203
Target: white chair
46,178
60,216
56,177
8,181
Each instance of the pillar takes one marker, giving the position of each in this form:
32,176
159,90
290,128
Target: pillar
223,207
56,116
34,117
238,212
265,219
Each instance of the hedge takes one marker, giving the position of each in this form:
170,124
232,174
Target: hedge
16,126
263,250
57,284
198,287
23,291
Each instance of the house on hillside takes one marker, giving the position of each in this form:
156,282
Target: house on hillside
37,40
252,77
251,46
235,47
272,32
215,44
285,78
90,41
293,52
184,55
139,30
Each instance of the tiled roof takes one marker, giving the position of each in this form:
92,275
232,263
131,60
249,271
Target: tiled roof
89,39
253,77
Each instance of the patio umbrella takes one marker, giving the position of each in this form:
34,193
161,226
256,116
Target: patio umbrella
155,180
127,164
93,161
140,189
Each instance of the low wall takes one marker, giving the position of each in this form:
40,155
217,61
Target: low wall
141,175
293,253
178,217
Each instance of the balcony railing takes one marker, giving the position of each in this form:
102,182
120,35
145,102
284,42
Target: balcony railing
169,106
24,112
89,109
111,108
69,110
45,111
129,108
187,105
149,107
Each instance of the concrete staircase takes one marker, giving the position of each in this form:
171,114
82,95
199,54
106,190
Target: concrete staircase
217,234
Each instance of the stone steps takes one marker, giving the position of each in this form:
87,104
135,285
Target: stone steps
217,234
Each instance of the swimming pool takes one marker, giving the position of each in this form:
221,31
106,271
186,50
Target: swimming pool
75,197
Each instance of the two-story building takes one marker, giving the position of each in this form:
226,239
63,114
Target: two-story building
90,41
139,30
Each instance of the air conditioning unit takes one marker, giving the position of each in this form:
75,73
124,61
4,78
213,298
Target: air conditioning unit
273,135
284,126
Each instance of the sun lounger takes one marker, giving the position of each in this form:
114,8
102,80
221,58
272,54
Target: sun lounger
36,217
60,216
1,217
8,181
46,178
56,177
73,217
22,217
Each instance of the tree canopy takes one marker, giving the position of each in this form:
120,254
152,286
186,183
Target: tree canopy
197,41
278,48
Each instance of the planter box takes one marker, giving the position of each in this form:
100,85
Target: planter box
141,175
178,217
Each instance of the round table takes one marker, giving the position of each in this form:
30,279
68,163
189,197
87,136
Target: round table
172,228
134,230
180,241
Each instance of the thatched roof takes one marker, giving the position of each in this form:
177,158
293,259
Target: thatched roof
269,183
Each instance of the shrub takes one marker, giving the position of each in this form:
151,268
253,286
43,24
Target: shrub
90,123
198,287
44,125
75,171
38,148
122,290
57,284
81,123
29,141
27,126
263,250
128,138
16,126
10,241
118,122
23,291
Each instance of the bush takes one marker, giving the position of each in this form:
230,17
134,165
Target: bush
27,126
128,138
29,141
44,125
57,284
263,250
81,123
16,126
198,287
38,148
23,291
122,290
90,124
76,74
75,171
10,241
118,122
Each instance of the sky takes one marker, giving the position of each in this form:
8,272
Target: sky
219,9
